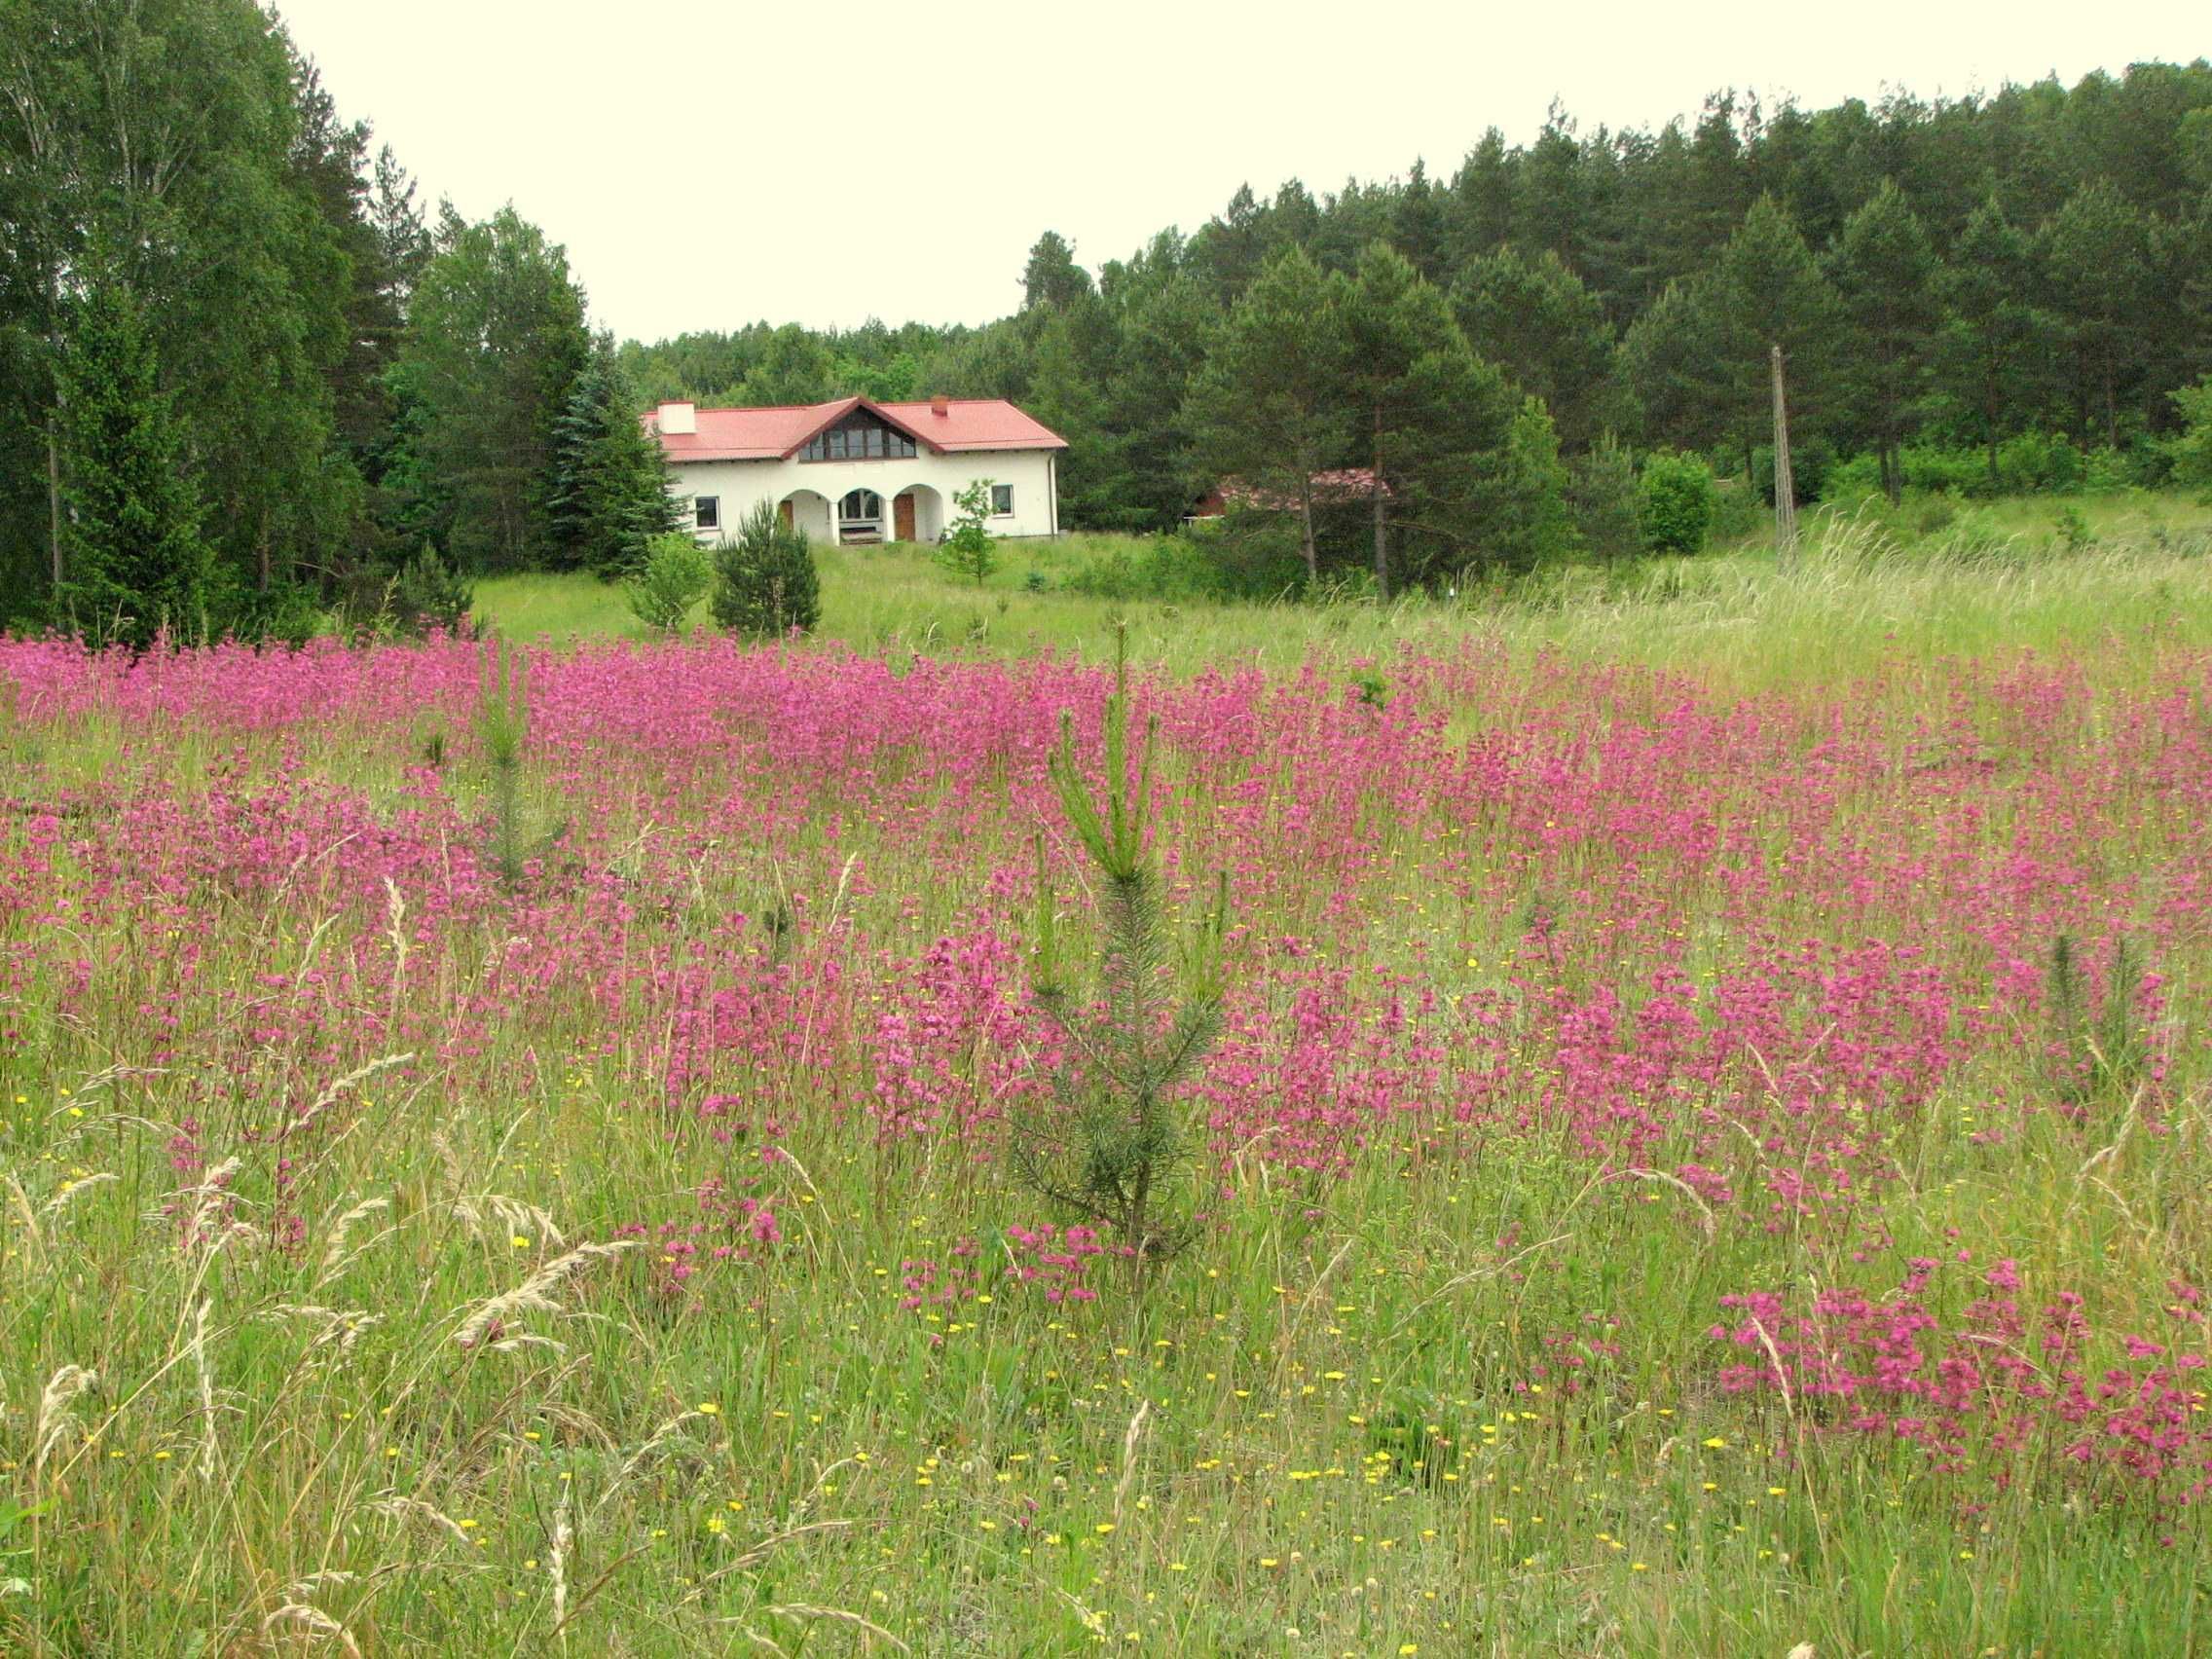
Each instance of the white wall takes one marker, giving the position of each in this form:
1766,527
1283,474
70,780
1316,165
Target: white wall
738,484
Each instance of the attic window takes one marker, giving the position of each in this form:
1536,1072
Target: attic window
859,437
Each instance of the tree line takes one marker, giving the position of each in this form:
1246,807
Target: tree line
245,373
1964,272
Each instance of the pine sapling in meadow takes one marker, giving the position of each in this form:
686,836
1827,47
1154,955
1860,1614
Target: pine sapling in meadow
2097,1049
1110,1137
502,728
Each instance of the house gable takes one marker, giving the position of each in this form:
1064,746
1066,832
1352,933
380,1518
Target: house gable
856,430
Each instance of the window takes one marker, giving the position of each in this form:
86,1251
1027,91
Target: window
860,507
707,512
859,437
1002,500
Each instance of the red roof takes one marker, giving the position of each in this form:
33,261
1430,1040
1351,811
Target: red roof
781,432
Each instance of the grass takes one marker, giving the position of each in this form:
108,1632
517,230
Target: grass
382,1263
1866,588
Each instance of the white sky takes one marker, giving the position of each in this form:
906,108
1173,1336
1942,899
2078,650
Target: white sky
707,165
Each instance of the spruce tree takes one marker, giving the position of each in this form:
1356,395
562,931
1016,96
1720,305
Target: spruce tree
609,494
133,559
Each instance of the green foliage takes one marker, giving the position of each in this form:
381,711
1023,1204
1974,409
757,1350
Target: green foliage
675,575
1675,503
968,548
1885,272
609,492
1546,328
494,343
765,583
134,561
2192,452
503,730
2097,1049
1267,410
429,595
1112,1139
1433,423
1244,555
1535,524
1601,499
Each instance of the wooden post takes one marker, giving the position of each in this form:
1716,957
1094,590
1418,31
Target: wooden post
1784,487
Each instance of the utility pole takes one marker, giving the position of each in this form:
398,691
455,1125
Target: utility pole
1784,488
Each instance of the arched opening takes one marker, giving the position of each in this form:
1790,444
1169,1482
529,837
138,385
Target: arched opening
859,516
917,514
808,510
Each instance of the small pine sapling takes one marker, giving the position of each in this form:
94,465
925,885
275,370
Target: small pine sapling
2097,1049
502,728
1112,1138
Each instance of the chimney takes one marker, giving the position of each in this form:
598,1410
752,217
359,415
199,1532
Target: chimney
941,405
679,418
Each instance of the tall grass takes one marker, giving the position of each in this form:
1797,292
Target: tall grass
1865,591
619,1251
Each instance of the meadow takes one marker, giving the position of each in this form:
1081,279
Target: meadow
1707,1150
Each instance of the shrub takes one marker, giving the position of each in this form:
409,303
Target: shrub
1738,509
1247,556
1601,499
2191,454
1675,503
421,596
968,548
1811,462
2030,461
766,583
675,576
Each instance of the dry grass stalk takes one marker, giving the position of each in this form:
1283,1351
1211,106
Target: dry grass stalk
334,1255
414,1508
54,1417
312,1619
534,1292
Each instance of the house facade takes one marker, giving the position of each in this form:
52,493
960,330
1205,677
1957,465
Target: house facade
859,471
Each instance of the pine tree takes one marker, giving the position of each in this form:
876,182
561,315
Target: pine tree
609,494
1268,409
133,560
1540,323
1885,271
2095,259
495,341
1990,336
1432,420
1771,292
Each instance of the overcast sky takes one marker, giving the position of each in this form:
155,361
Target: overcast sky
707,165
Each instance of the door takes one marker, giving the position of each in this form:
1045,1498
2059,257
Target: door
902,517
786,511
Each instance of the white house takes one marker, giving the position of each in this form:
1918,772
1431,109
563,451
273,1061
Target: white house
858,471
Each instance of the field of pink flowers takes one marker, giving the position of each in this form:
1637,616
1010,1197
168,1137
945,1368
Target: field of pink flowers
1681,1172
